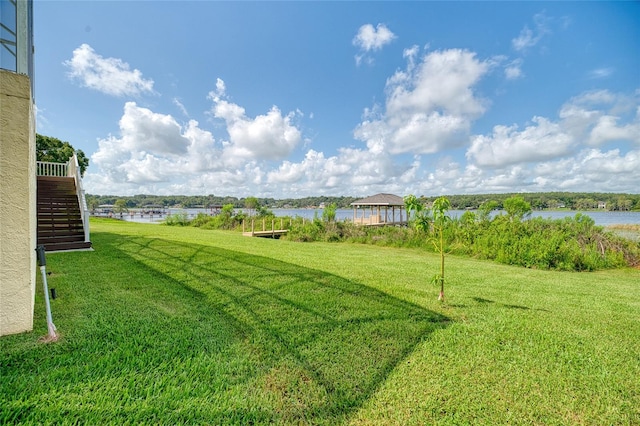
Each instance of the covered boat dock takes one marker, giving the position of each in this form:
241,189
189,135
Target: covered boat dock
379,210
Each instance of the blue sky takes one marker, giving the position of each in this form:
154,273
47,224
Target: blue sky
293,99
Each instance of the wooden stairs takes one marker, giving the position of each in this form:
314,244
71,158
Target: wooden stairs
59,215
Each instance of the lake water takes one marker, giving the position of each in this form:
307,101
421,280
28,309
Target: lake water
602,218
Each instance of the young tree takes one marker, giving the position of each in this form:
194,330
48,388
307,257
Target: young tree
516,207
251,203
423,220
440,207
421,216
263,211
329,212
56,151
485,209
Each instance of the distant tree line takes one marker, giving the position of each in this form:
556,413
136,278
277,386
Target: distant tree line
538,201
551,200
209,201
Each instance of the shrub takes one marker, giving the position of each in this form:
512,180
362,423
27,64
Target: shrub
305,231
227,219
201,220
564,244
177,219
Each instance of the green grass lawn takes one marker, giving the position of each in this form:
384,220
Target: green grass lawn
168,325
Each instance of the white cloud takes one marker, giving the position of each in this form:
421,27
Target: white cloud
600,73
594,117
111,76
607,129
524,40
591,119
513,70
507,145
147,131
180,106
429,106
370,39
151,148
444,80
42,122
153,152
528,37
352,171
591,170
221,88
271,136
411,54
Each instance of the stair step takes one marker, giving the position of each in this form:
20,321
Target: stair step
61,239
59,224
59,227
60,217
66,230
59,211
67,246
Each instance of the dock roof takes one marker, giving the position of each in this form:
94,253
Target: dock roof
380,200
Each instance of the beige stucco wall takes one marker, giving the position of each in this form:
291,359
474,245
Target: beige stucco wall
17,204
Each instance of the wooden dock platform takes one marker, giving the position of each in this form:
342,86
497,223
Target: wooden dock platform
264,231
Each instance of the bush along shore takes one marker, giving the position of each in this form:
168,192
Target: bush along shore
512,237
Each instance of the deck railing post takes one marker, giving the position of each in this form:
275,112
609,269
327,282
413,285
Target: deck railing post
85,217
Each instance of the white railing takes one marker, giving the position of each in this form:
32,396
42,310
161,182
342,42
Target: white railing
74,171
68,169
46,168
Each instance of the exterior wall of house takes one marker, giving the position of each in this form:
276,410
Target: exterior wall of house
18,217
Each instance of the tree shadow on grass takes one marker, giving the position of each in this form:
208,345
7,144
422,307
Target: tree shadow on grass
190,333
481,300
524,308
323,343
506,305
